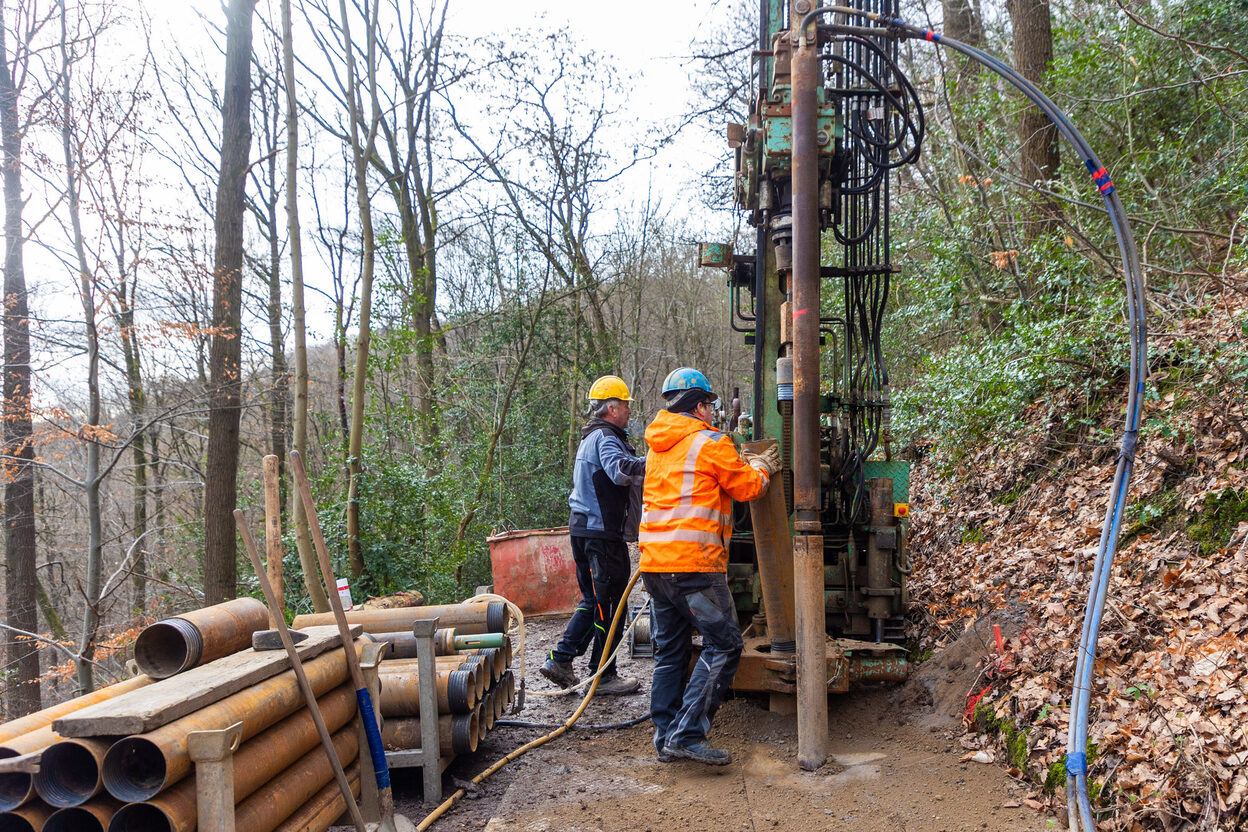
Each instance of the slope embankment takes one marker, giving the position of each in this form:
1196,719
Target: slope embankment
1010,528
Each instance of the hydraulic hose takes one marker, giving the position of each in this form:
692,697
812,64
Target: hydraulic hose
608,726
433,816
1079,804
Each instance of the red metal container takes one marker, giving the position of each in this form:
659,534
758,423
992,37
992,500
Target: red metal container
534,569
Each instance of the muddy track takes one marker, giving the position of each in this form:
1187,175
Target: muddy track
894,766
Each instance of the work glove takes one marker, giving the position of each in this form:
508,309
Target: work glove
768,461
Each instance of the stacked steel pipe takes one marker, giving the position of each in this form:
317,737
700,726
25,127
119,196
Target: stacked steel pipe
474,682
282,777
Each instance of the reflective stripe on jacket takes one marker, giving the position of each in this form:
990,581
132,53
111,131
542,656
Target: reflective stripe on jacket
693,473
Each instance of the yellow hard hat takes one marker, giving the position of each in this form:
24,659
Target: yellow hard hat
609,387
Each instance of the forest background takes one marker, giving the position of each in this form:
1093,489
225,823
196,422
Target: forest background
468,215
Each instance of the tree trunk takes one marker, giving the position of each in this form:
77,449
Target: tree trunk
278,375
1038,136
225,386
303,536
137,398
361,151
963,22
89,430
21,609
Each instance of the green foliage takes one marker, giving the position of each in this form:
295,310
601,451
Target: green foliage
1055,776
1218,518
989,317
974,534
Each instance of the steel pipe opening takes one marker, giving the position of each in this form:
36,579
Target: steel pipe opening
177,644
16,787
168,647
141,817
134,769
91,817
29,818
69,771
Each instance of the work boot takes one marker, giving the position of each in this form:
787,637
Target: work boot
699,752
561,673
617,686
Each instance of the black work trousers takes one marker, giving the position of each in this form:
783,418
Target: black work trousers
602,573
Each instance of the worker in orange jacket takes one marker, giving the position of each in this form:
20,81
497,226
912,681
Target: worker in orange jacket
693,473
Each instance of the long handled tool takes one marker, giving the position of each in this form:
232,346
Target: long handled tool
277,612
385,798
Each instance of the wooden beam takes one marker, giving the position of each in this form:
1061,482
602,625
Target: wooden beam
151,707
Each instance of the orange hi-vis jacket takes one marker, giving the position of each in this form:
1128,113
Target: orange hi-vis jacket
693,473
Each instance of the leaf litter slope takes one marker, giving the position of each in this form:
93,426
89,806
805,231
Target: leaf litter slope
1013,526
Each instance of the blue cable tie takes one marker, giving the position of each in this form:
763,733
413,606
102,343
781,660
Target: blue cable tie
1129,440
1076,764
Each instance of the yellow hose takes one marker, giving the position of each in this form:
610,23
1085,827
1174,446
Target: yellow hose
432,817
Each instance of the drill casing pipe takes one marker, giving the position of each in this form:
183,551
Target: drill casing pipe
139,767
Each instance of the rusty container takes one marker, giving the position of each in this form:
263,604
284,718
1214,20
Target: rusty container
535,570
176,644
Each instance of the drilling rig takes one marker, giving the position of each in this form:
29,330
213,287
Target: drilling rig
832,117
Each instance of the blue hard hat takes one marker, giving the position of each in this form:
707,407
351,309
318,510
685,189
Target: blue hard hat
685,378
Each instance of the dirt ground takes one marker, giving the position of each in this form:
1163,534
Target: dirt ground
895,766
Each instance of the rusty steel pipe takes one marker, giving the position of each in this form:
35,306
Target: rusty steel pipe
457,733
475,666
256,762
773,548
809,621
285,793
70,771
326,806
17,787
446,643
458,690
492,617
509,685
139,767
487,713
89,817
44,718
185,641
495,661
29,818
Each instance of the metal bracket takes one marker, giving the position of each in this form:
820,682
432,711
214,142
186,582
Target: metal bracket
213,755
429,756
370,656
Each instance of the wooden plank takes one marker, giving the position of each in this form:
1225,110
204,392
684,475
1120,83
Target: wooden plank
146,709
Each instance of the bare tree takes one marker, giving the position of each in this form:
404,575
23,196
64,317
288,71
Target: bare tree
21,612
551,169
303,538
225,388
363,139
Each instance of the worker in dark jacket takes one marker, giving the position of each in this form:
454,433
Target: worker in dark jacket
605,510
